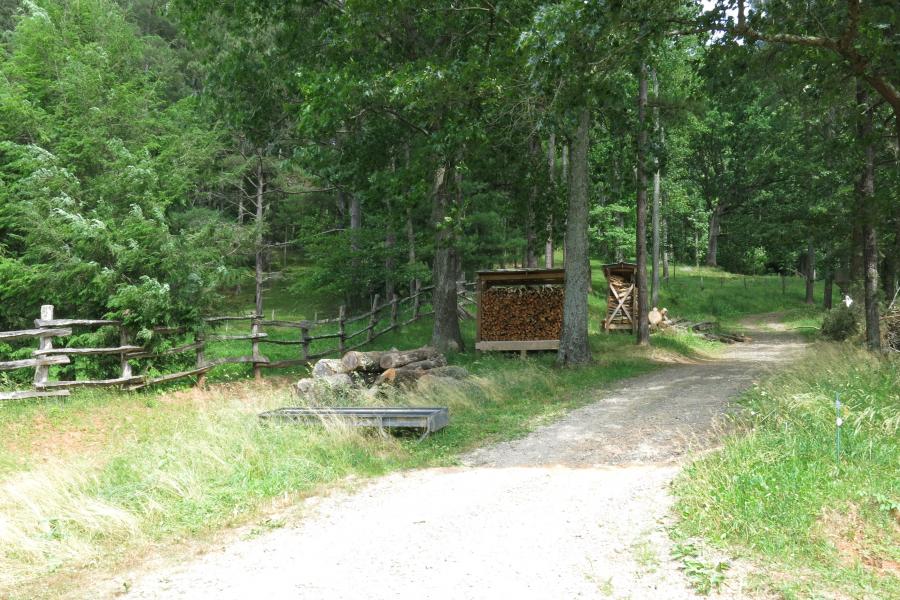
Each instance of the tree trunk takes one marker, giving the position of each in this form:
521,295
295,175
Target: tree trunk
643,326
259,271
445,334
665,246
810,272
390,241
530,259
551,167
828,290
654,289
415,284
712,248
869,233
573,347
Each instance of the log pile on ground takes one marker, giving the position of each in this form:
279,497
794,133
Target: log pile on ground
517,313
371,371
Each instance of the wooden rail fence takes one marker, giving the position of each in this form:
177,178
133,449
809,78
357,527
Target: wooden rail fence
47,328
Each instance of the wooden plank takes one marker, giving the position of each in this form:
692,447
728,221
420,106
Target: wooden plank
234,360
281,364
87,351
293,324
42,373
228,338
8,336
175,350
171,377
218,319
74,322
34,362
91,382
511,345
32,394
282,342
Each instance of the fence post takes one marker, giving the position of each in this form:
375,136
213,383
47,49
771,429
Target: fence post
124,340
304,340
416,296
373,319
200,338
342,329
42,372
395,310
254,331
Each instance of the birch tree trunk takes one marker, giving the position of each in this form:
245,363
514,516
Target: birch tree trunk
259,271
654,289
445,334
551,166
643,328
573,347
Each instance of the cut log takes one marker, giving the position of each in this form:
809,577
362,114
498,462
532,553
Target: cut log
327,367
393,360
655,317
363,361
438,361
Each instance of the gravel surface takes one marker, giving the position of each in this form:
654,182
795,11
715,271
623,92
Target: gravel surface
577,509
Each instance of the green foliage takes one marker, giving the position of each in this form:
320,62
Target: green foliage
841,323
98,167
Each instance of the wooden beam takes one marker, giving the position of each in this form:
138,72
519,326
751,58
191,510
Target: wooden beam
512,345
34,362
32,394
86,351
74,322
8,336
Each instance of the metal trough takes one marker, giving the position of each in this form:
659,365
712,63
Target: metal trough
429,419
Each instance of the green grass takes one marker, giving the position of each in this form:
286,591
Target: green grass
776,492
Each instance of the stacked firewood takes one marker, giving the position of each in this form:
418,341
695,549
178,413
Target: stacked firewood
522,313
372,370
621,285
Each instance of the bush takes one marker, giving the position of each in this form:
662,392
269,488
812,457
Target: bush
840,323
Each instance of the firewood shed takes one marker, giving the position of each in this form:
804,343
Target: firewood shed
622,307
520,309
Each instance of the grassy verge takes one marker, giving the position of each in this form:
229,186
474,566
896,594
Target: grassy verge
776,492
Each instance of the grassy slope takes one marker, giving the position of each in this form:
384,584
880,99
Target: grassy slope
114,471
776,492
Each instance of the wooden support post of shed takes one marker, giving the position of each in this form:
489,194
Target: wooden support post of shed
42,372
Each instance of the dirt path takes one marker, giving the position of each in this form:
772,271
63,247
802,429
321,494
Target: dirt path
577,509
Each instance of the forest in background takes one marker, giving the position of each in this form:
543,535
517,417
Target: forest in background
154,155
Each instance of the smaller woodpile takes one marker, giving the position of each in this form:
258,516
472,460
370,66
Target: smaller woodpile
522,313
622,308
370,371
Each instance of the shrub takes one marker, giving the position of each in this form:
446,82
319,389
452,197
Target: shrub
840,323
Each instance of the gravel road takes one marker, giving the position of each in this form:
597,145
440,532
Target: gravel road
576,509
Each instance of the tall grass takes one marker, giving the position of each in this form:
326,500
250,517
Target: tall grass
778,491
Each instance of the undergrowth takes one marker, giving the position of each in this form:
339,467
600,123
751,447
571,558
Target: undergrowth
778,491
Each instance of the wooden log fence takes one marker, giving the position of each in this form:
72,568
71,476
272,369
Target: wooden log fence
47,328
